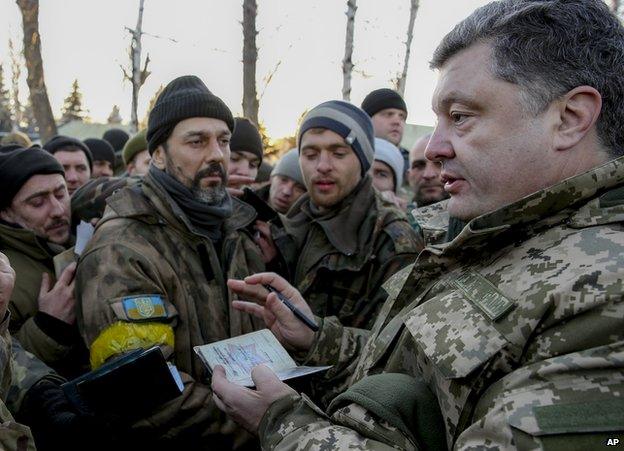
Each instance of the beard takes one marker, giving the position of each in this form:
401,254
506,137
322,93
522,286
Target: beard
210,195
422,199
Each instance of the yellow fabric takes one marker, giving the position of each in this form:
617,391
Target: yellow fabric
122,337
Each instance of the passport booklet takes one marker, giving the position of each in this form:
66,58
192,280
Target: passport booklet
240,354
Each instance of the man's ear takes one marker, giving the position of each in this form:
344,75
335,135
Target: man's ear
159,158
6,215
578,112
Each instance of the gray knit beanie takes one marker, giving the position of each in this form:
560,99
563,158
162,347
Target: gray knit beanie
347,120
288,166
388,153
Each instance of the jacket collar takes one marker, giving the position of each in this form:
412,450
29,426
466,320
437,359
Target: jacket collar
552,205
26,242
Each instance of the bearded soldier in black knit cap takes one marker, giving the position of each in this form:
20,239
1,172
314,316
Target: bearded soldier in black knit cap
155,270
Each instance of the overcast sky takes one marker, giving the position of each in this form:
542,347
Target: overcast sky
86,39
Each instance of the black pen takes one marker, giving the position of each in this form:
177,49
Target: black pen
298,313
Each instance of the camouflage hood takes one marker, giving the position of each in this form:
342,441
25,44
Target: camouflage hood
150,203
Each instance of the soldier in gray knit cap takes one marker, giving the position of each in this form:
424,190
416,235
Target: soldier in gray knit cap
287,183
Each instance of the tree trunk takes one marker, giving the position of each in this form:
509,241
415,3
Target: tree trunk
136,68
408,44
250,56
34,65
347,62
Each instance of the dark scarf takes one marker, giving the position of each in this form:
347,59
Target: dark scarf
341,223
207,218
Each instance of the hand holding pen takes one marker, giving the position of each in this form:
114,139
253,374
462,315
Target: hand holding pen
284,319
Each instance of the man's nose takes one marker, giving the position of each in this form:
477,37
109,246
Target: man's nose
439,147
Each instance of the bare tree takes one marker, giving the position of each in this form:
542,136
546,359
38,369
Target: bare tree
34,64
347,62
400,85
6,120
16,73
250,56
137,76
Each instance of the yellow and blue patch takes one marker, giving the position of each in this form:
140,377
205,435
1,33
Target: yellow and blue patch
145,306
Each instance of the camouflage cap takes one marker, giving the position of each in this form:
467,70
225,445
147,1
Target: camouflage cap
89,201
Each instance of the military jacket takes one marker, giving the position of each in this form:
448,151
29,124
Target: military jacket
13,436
30,257
517,326
342,261
149,278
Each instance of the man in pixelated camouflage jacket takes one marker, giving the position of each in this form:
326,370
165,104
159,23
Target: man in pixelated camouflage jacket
155,271
348,240
516,325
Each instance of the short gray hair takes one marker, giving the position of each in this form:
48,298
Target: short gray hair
549,47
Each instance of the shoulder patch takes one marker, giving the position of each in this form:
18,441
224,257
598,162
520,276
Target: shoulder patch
144,306
484,295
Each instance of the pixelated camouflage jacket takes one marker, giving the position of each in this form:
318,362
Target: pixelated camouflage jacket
30,257
13,435
343,259
145,252
517,326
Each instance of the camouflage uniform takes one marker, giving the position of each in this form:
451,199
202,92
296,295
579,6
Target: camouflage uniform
343,260
148,278
31,257
517,326
13,436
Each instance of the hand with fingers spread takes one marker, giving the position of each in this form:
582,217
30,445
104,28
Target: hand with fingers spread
59,301
236,183
244,405
288,329
264,240
7,281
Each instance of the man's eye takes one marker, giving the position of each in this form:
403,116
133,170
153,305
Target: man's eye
38,202
418,165
225,141
458,118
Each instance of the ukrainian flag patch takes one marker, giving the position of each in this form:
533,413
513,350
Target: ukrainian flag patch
145,306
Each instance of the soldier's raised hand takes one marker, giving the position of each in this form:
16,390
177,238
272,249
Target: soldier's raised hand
58,301
286,327
7,281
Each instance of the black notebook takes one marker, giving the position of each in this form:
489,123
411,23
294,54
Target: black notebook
130,386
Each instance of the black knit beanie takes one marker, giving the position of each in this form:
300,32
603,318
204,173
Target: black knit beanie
380,99
116,137
183,98
246,138
19,165
59,142
101,150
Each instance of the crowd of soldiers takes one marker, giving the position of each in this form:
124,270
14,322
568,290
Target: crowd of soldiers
467,291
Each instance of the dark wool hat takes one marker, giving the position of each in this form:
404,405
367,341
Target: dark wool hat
183,98
101,150
19,165
246,138
60,142
380,99
116,137
348,121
